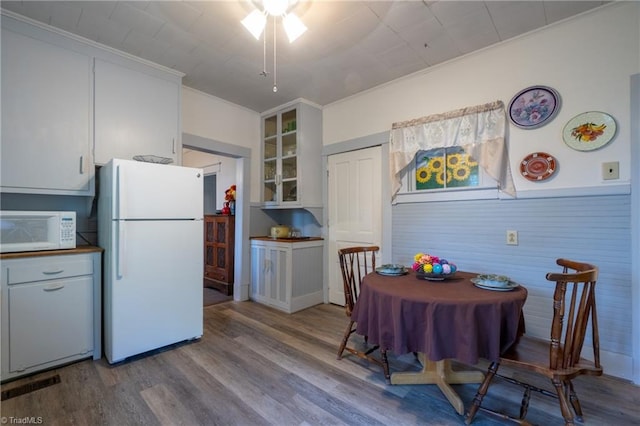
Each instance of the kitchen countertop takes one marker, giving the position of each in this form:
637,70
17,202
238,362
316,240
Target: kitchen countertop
25,254
287,240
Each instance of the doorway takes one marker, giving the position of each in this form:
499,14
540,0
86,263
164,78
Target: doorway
241,156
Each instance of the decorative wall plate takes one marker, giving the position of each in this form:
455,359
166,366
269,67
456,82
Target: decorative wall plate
589,131
534,106
537,166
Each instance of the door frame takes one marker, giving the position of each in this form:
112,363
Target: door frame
242,251
378,139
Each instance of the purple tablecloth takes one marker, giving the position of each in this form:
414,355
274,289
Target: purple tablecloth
443,319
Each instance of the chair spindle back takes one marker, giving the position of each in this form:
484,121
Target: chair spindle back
355,263
567,341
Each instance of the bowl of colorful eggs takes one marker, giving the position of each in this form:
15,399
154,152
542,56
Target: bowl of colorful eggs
434,268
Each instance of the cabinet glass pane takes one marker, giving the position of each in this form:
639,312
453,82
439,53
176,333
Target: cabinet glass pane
209,232
208,256
290,190
289,144
290,168
220,233
270,193
270,126
289,123
270,148
270,170
220,257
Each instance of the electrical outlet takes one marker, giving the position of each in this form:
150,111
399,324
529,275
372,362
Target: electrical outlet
611,170
512,238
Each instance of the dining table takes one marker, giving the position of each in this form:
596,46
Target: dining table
440,321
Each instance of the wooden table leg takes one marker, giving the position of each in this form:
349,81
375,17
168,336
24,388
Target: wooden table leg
440,374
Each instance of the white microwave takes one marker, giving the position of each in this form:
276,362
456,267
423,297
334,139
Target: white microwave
36,230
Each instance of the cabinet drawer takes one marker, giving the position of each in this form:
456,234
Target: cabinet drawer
216,275
56,268
50,321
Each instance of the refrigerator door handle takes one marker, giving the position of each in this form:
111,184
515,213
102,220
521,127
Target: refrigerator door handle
119,193
120,249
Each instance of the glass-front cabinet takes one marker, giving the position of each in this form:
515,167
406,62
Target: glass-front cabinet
284,157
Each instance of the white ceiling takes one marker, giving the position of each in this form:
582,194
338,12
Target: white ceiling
350,46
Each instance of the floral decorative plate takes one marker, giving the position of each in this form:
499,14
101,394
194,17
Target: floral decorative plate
534,107
589,131
537,166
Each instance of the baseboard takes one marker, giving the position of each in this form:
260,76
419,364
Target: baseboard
306,301
617,365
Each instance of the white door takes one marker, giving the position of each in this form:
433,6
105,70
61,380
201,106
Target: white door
354,191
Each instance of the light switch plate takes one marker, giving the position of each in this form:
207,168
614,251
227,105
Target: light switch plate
611,170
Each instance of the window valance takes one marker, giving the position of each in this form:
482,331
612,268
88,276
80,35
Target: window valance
479,130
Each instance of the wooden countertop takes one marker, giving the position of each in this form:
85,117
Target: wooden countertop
287,240
25,254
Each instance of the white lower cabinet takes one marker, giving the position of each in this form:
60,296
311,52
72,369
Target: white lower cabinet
50,312
287,275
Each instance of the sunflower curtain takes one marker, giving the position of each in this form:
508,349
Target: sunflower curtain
479,130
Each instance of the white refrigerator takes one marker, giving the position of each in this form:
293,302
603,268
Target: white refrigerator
150,225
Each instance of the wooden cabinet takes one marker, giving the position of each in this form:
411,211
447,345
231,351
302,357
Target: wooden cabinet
51,311
287,275
219,237
47,107
137,111
292,157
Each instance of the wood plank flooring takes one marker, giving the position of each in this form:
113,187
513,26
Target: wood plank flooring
258,366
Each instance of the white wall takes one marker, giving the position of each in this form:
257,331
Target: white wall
213,118
587,59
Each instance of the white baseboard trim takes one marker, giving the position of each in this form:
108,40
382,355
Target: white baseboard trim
306,301
617,365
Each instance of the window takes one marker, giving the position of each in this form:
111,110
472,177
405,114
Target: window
441,167
445,168
445,174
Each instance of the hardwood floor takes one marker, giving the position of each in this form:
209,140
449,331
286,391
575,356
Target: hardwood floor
258,366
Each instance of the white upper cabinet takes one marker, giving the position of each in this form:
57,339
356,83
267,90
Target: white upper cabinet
292,157
46,116
137,112
69,104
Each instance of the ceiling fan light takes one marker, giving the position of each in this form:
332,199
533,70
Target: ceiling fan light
255,23
275,7
293,26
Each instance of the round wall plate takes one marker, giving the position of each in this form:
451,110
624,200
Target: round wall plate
589,131
538,166
534,107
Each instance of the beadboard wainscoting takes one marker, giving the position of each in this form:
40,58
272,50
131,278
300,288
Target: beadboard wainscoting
593,229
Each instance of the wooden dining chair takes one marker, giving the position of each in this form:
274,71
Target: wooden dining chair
355,263
558,359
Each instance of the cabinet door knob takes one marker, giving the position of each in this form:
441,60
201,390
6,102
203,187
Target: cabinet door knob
57,271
